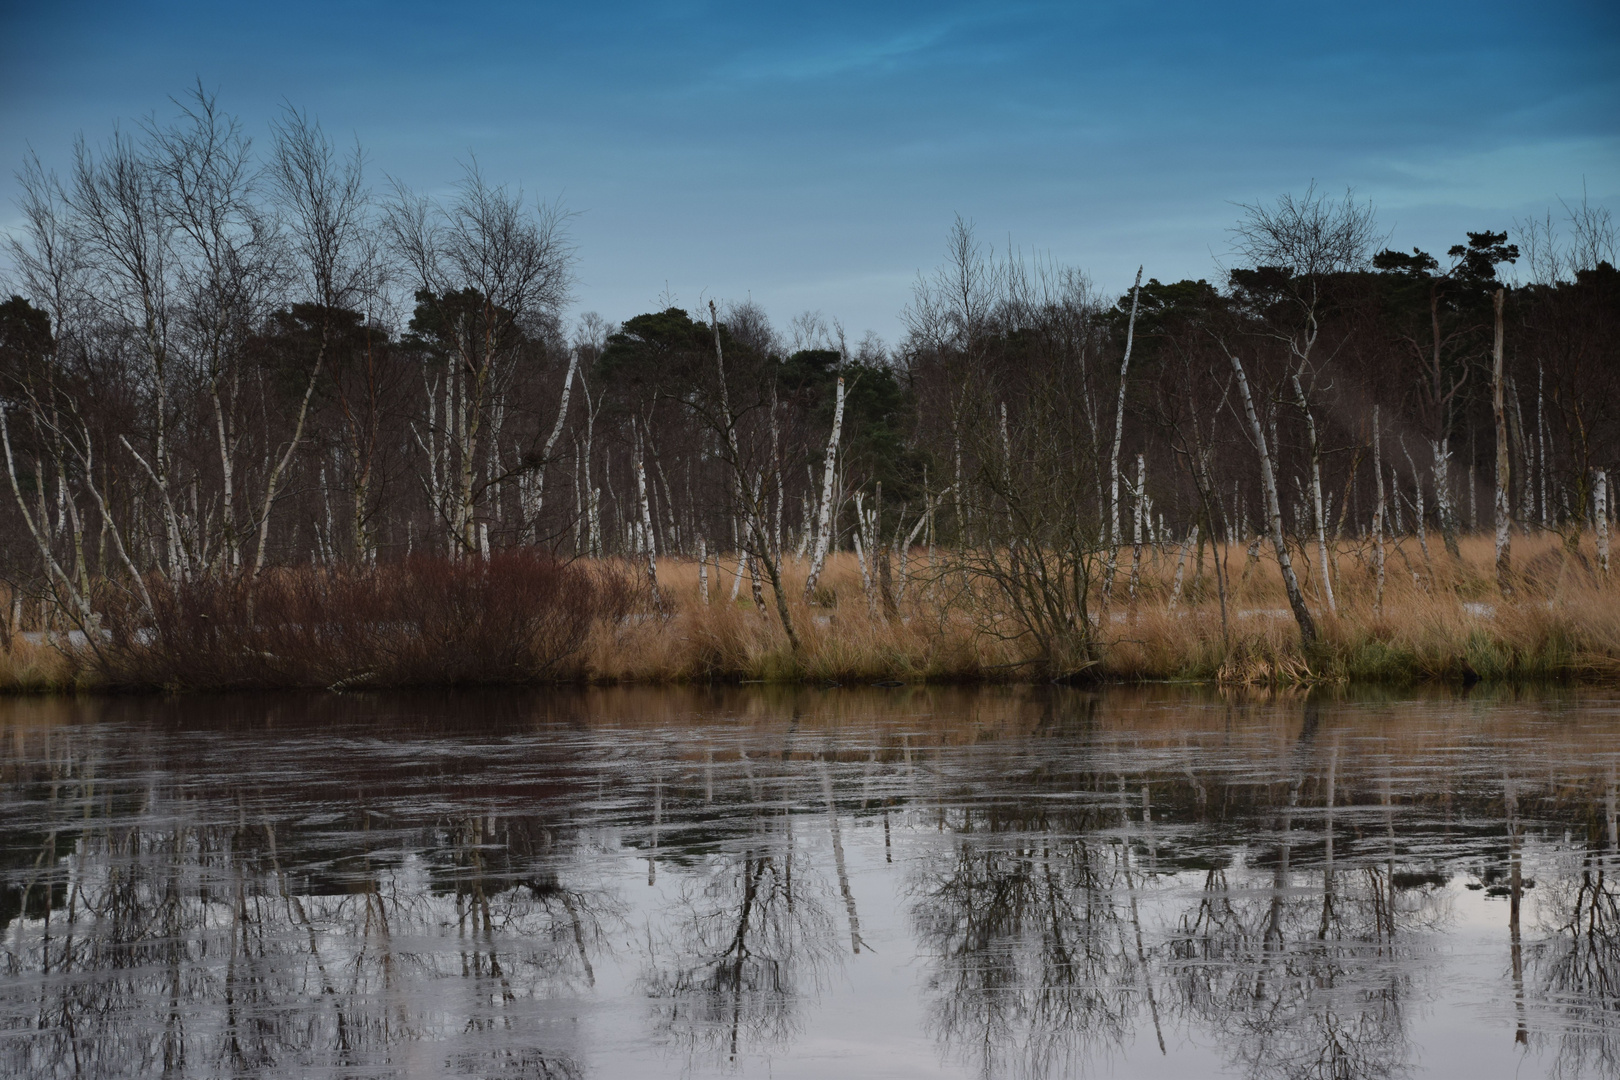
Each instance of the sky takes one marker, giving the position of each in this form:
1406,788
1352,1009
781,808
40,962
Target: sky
813,156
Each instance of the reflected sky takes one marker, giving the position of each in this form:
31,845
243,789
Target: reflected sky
1000,883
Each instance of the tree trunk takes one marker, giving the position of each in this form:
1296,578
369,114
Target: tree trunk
1181,566
1503,508
537,499
1600,517
1316,495
1268,481
703,570
274,480
1136,525
1378,516
1445,515
647,529
1113,456
824,514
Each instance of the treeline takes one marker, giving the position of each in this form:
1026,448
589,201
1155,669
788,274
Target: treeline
221,358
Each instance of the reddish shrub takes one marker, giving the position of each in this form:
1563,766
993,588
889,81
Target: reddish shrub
517,617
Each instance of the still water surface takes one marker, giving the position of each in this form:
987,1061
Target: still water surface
900,883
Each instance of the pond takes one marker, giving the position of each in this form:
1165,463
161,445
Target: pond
807,883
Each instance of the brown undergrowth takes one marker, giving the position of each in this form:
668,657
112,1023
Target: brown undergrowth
522,617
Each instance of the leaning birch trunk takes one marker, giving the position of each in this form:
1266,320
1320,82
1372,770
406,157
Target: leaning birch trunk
532,512
773,571
1268,481
1378,518
1504,514
748,501
1600,517
823,517
1113,457
274,480
39,528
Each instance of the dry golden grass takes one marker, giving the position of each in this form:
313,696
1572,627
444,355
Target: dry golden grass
1442,619
27,668
841,641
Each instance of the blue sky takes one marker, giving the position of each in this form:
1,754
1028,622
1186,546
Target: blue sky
812,156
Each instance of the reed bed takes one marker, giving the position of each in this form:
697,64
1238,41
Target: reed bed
522,618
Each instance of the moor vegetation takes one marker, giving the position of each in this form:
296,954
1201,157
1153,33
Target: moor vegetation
264,425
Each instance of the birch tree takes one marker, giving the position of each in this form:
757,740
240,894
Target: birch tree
1114,538
490,271
1274,519
824,507
1503,511
335,265
1296,246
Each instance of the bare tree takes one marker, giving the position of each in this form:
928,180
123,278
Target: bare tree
325,202
1119,433
1309,238
492,270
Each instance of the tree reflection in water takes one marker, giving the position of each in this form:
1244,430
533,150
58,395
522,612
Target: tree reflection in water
178,939
1068,881
1030,962
748,936
1574,967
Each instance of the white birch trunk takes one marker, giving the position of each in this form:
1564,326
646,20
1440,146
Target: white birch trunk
1503,509
1600,517
1421,517
1136,533
911,538
646,526
534,491
1268,481
1378,516
1317,507
39,528
860,553
1113,456
824,514
703,570
1442,491
1541,446
1181,566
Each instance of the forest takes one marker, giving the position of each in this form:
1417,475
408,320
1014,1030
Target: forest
270,421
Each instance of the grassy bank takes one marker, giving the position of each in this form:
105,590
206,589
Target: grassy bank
522,619
1441,619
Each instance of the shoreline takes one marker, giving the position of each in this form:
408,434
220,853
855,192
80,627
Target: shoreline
1443,624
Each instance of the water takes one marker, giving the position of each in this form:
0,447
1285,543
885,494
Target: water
1018,883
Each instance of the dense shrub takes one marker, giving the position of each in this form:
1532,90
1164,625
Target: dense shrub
517,617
